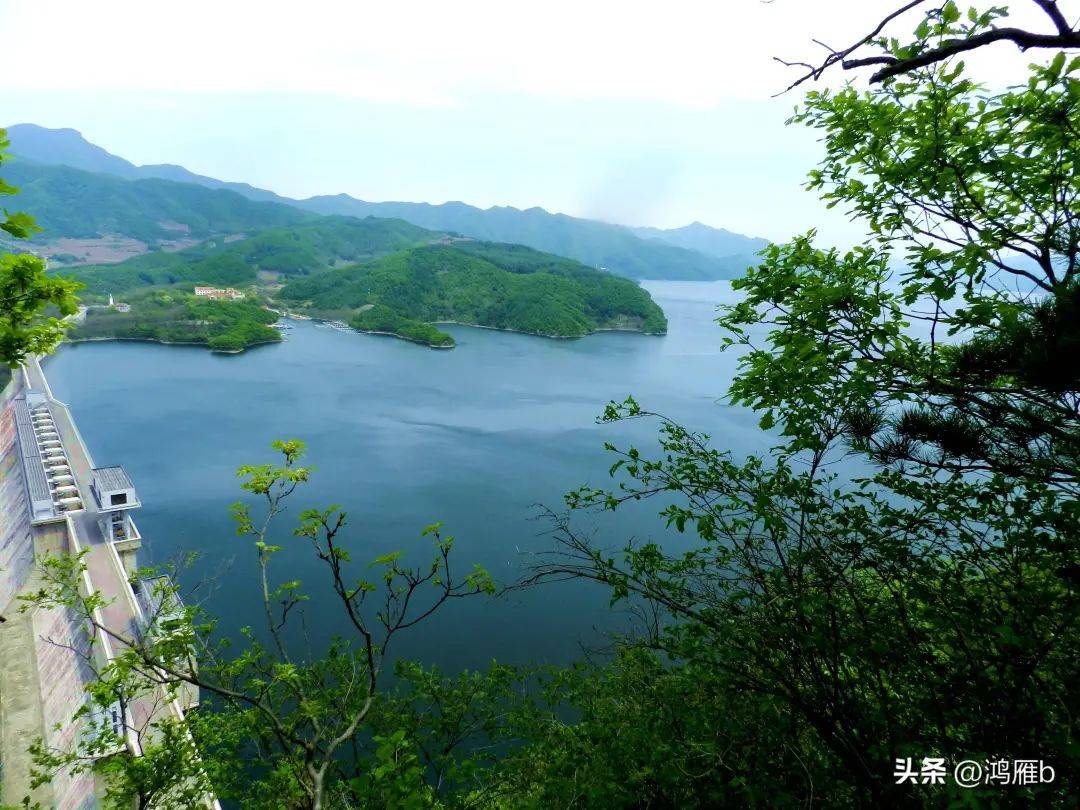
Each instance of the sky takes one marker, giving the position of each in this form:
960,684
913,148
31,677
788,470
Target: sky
638,113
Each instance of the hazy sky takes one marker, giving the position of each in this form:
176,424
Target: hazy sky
641,113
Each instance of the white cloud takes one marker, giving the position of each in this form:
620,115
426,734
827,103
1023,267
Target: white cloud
690,53
649,113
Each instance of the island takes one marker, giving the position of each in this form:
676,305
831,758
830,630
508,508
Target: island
510,287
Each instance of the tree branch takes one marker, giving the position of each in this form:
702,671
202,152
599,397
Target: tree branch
1024,40
1065,36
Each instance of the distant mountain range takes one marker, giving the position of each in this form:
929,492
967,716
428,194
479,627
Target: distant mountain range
67,147
694,252
705,239
76,204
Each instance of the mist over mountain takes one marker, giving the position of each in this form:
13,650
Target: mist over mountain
598,244
705,239
696,252
68,147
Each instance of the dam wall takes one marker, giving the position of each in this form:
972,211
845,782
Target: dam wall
47,660
61,648
16,537
44,653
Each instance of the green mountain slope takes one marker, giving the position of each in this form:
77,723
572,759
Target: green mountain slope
499,286
327,242
297,250
691,253
72,203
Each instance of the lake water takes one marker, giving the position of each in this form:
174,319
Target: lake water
403,436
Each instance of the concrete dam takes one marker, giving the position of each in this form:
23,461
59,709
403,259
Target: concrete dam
54,500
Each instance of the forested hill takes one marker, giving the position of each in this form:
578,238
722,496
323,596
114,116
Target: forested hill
653,254
281,252
484,284
73,203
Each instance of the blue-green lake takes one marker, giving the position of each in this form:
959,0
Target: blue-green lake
403,436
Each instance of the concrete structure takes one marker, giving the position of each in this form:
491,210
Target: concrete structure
114,497
38,496
218,293
44,674
119,306
16,537
54,500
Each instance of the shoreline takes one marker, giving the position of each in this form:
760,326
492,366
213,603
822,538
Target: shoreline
401,337
382,333
553,337
168,343
498,329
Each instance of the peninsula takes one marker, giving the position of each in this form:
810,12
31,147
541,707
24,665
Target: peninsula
406,281
499,286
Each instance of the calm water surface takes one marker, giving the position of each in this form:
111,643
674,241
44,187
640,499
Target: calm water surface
403,436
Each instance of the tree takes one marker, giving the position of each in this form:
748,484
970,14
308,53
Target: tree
898,581
976,193
290,726
924,600
26,291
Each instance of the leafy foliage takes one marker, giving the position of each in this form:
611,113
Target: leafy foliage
882,616
27,294
313,724
962,359
926,602
644,733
